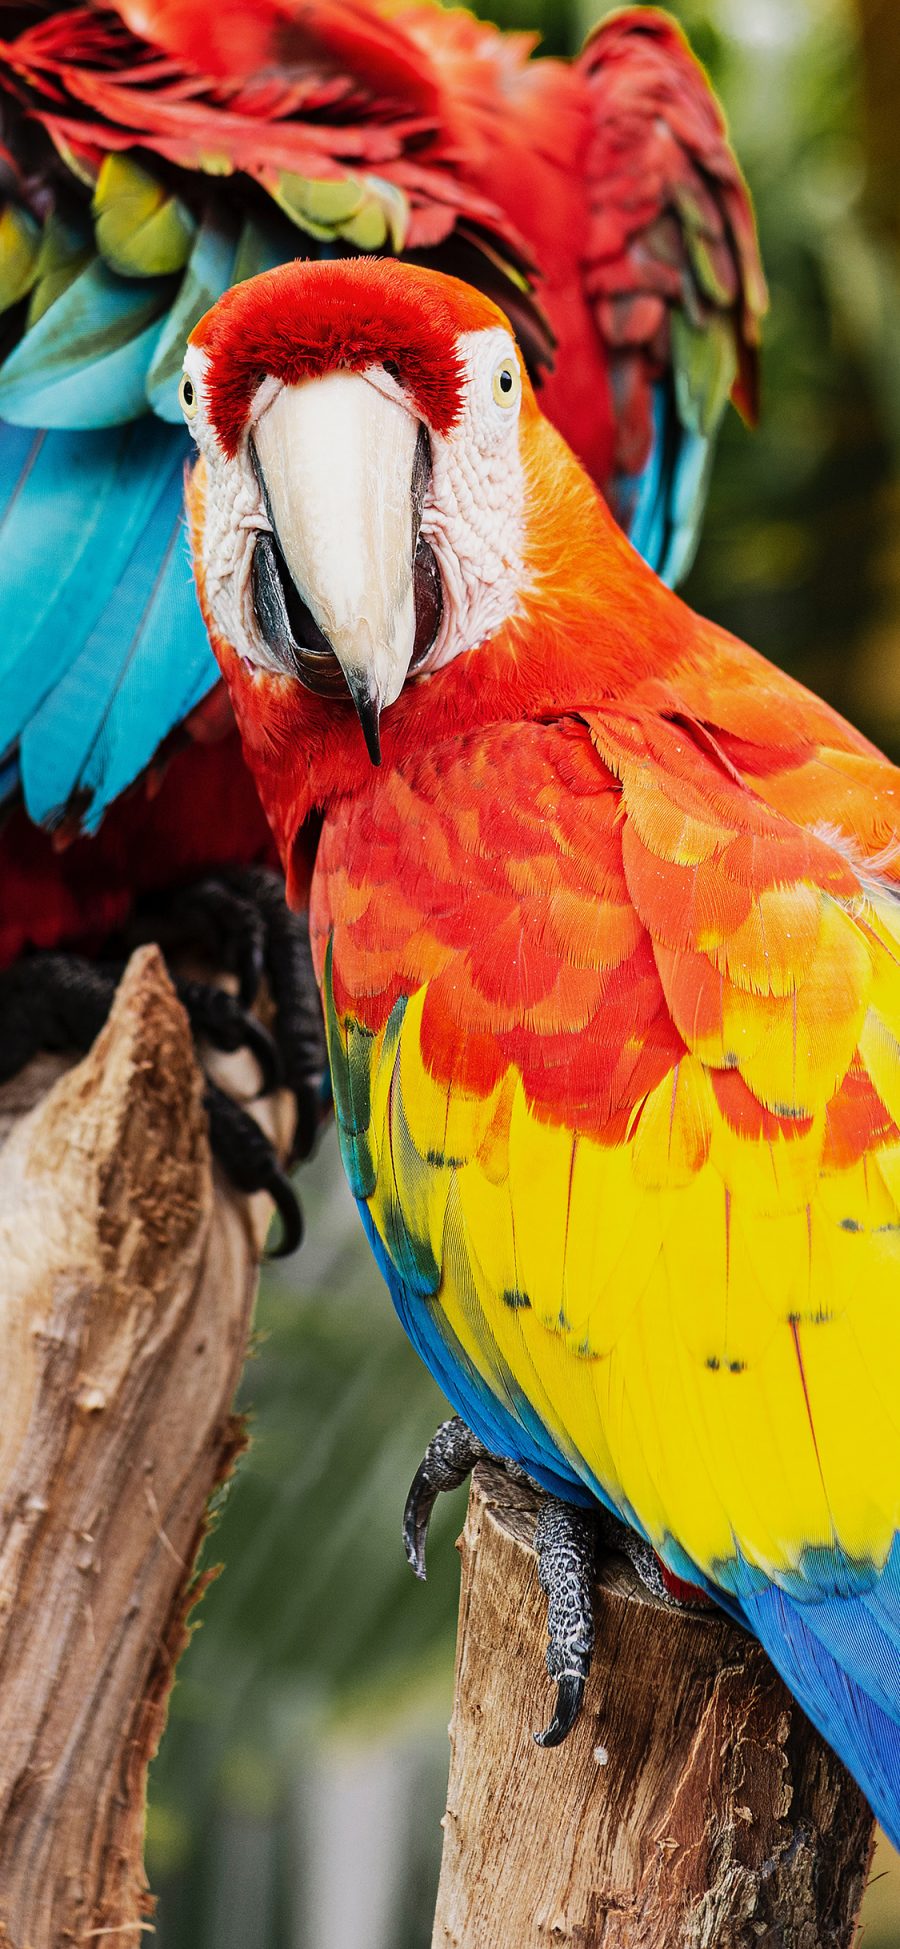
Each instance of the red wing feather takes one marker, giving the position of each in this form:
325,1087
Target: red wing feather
302,39
671,223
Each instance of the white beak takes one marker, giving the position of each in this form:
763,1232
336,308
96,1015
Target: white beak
337,459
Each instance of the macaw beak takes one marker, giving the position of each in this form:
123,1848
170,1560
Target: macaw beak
335,589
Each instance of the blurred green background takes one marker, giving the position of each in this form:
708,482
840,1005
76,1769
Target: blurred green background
296,1799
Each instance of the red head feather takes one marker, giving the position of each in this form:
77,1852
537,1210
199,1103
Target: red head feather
303,320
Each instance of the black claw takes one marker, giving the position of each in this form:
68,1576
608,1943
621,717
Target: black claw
565,1541
416,1517
248,1158
224,1022
263,1046
239,921
251,966
569,1696
450,1456
299,1028
219,918
290,1212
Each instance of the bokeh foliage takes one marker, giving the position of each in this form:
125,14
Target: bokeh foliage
320,1671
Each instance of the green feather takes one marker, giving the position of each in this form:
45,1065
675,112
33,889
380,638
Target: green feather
392,213
141,230
705,271
66,249
364,211
297,197
406,1226
20,242
349,1055
329,203
705,363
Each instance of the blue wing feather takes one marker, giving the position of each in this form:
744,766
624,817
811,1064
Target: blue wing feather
75,511
661,508
145,665
102,646
9,776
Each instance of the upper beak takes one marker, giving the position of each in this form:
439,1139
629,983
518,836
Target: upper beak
339,470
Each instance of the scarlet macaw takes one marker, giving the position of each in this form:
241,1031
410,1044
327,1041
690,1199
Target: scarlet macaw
606,914
157,153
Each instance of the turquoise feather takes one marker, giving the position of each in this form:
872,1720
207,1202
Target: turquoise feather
107,650
661,508
146,664
85,363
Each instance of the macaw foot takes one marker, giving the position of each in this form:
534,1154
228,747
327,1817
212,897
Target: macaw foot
449,1458
674,1592
565,1545
60,1001
567,1540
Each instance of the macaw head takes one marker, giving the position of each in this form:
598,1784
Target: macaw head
361,426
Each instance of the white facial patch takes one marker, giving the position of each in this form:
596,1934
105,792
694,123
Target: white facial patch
474,510
235,515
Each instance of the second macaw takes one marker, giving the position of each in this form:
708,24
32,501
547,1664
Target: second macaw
606,914
156,153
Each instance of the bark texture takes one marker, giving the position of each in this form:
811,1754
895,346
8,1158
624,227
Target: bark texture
693,1805
127,1280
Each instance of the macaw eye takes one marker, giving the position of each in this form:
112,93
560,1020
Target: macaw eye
187,394
506,384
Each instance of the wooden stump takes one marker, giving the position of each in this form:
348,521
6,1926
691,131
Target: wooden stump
127,1280
693,1805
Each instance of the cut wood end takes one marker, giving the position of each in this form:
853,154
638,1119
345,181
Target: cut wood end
119,1142
136,1100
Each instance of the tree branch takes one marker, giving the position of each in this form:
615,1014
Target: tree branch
127,1281
693,1805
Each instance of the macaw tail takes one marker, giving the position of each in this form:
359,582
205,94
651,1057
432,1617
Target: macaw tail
840,1656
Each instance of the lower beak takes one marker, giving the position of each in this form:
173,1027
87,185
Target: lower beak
338,467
